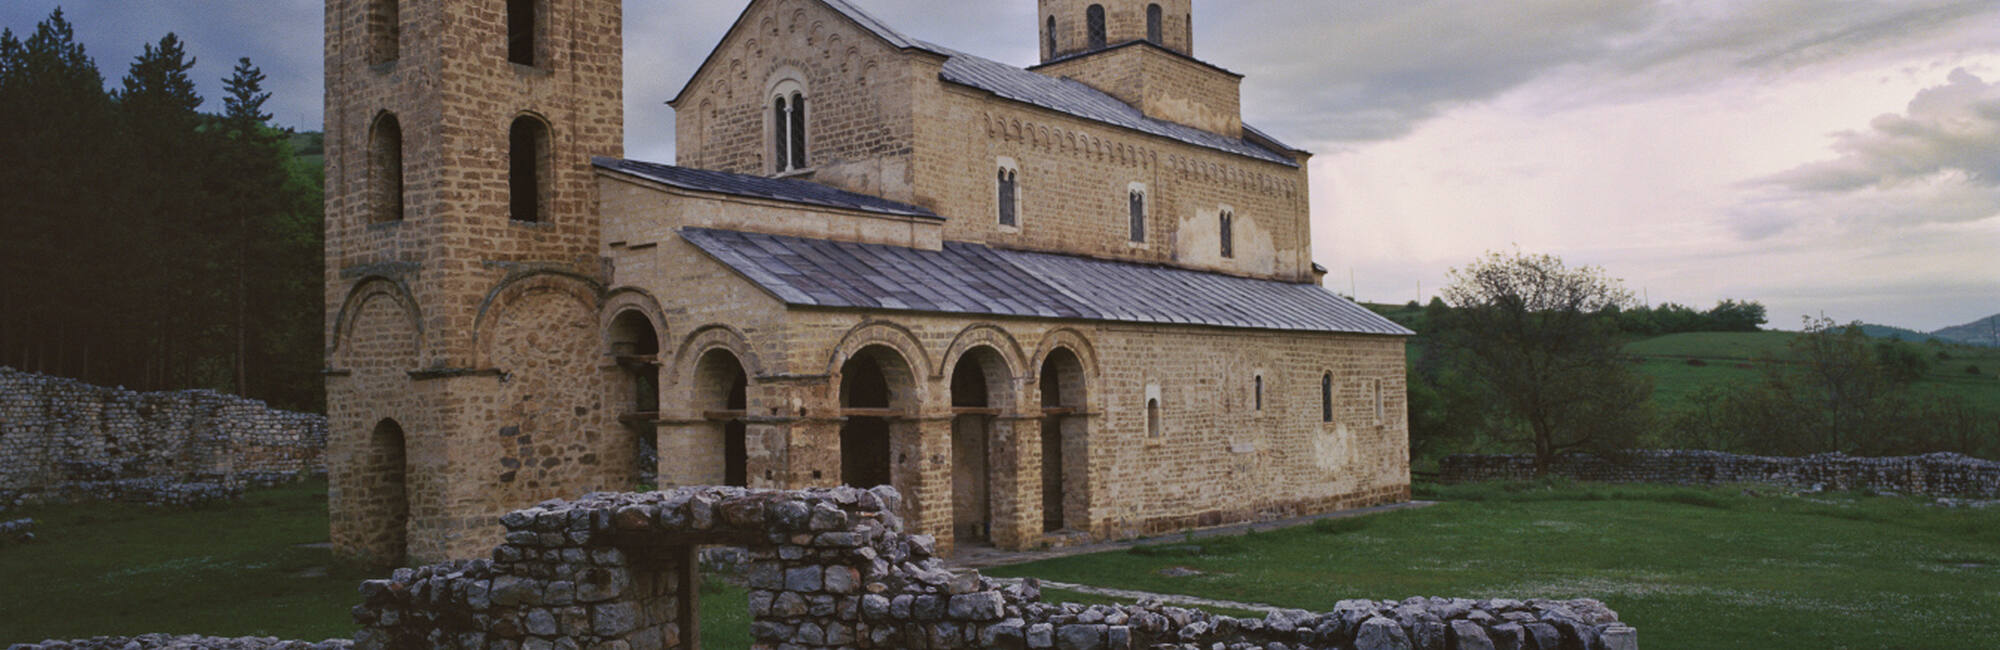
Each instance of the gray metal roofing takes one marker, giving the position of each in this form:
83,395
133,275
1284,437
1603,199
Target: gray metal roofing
1061,95
976,279
777,189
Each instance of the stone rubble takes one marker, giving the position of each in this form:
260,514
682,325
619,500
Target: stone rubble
17,531
1937,475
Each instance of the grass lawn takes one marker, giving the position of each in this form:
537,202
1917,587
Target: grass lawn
1691,568
1727,358
225,570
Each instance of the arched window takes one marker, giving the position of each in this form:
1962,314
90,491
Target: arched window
1153,417
1380,412
788,127
385,30
528,169
1228,234
1094,17
521,31
1259,396
1052,36
385,175
1326,397
1155,27
1007,189
1138,214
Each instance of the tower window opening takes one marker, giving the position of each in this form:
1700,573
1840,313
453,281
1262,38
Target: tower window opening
527,170
521,31
1094,18
385,31
1228,234
1259,395
798,133
1008,216
386,169
1052,36
1155,27
1153,426
780,112
1138,215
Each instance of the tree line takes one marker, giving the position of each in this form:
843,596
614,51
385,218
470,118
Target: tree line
1522,353
147,243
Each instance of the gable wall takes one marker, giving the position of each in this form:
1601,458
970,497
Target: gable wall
1074,177
857,100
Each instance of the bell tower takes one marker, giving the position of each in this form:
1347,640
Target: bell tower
1072,27
459,135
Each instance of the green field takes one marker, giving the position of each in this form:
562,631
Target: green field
1681,364
1690,568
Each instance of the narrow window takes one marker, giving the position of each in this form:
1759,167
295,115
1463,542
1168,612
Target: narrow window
1326,398
385,31
1228,234
1095,19
1155,30
1007,217
1138,216
1379,411
1153,418
1260,393
780,125
798,122
386,173
1052,36
527,156
521,31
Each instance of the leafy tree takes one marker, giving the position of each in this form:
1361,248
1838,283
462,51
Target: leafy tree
1734,316
1535,334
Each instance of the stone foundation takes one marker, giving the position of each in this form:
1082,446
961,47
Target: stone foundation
1943,475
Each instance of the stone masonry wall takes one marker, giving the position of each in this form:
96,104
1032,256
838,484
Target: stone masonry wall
62,439
1946,475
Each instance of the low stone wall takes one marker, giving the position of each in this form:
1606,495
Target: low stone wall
171,642
64,440
1942,475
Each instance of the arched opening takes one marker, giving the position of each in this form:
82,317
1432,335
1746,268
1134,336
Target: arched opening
1153,425
1326,397
876,395
385,31
1228,234
788,127
1138,215
1051,32
522,16
721,393
386,477
980,387
1094,21
635,345
1155,27
1065,449
1006,197
385,165
527,171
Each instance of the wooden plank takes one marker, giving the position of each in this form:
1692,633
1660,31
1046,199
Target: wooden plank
974,410
873,413
725,416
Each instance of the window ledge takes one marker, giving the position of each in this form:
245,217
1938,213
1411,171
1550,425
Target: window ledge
383,226
1011,230
530,225
796,173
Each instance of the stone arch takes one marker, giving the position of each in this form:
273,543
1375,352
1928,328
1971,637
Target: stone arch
366,289
1077,343
878,390
639,303
530,168
984,383
512,290
884,333
706,338
989,335
1064,366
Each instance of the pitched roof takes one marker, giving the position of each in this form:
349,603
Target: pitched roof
976,279
1080,100
776,189
1066,96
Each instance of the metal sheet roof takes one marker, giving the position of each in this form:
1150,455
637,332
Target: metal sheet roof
976,279
776,189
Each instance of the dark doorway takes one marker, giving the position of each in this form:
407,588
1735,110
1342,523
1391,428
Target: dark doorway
866,401
979,386
388,471
722,393
1065,454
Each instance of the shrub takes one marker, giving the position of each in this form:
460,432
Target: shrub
1972,370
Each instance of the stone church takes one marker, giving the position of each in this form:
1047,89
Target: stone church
1054,304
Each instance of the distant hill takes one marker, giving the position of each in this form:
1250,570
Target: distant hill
1898,333
1985,331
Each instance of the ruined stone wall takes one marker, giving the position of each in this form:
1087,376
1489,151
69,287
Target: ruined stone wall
1944,474
62,439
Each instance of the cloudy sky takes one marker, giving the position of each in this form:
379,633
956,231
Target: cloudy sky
1821,156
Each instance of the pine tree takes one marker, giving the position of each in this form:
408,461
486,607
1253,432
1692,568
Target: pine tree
174,274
